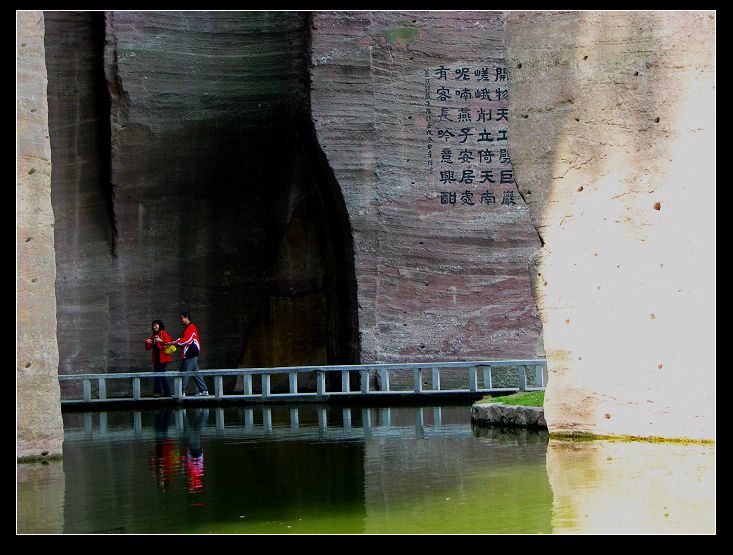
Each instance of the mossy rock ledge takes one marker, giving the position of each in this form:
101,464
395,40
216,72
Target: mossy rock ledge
498,414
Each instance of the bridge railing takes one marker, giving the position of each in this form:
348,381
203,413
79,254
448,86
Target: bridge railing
479,374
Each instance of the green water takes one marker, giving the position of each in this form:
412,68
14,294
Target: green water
311,469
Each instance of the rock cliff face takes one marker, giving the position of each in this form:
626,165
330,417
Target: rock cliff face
190,178
39,429
81,191
343,187
442,272
613,119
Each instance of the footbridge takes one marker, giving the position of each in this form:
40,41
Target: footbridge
378,383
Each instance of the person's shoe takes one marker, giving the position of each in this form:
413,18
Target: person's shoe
203,393
183,395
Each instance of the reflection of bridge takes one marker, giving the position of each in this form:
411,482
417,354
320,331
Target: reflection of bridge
409,381
257,423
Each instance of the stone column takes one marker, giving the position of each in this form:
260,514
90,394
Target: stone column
39,426
612,116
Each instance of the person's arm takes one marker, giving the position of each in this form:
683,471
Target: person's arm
148,344
186,339
173,342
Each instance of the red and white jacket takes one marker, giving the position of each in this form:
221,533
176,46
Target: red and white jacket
190,337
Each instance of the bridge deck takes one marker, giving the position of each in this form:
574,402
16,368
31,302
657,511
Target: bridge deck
378,383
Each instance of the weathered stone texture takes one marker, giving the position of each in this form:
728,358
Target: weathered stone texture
508,415
612,123
436,282
38,412
81,192
203,157
188,179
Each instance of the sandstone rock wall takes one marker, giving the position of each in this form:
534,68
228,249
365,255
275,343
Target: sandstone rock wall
181,190
81,191
39,430
188,180
613,127
203,152
436,281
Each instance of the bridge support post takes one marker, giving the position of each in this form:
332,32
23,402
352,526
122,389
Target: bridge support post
265,385
522,378
178,387
539,376
87,389
136,388
436,379
385,379
218,387
345,381
293,382
472,379
320,382
102,388
247,379
417,380
364,381
487,377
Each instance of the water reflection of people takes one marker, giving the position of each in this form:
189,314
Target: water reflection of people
193,461
166,457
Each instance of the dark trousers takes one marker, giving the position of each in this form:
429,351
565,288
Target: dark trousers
161,384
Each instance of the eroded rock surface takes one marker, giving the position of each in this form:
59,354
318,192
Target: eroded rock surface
613,122
39,427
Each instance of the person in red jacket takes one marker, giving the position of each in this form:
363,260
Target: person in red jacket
156,343
190,353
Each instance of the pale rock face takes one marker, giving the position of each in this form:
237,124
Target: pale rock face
613,121
39,427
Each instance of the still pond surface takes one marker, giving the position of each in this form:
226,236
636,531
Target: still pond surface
319,469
